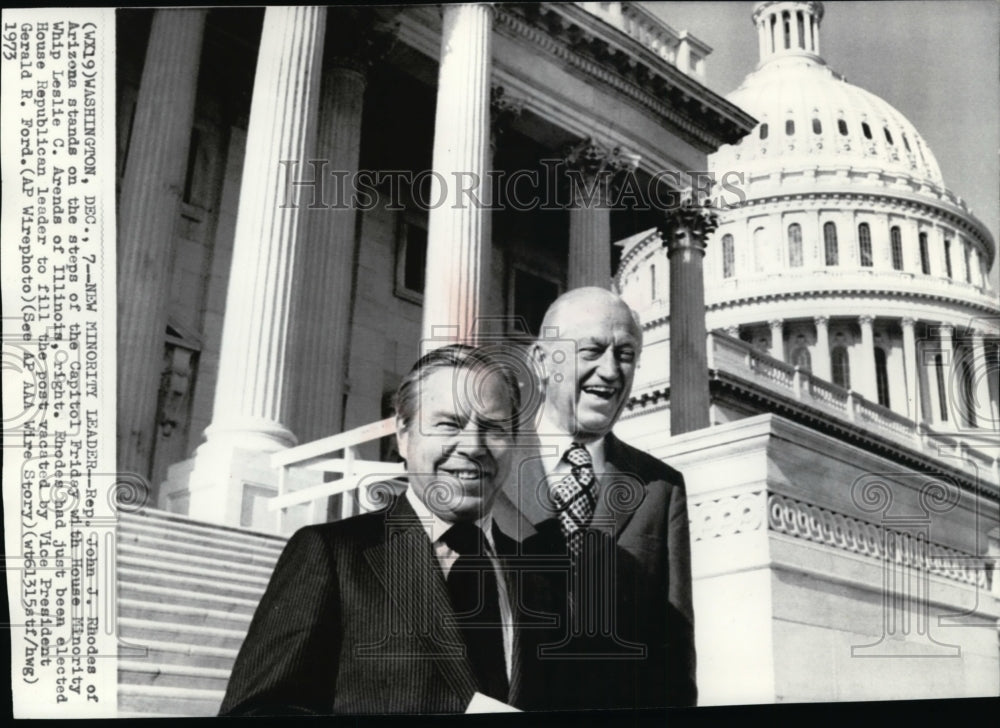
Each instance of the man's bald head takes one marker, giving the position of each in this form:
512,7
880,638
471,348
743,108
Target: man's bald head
587,352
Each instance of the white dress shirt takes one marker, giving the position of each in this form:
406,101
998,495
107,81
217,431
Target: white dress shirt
435,529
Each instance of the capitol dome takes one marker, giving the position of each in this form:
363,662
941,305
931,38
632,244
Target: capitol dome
840,250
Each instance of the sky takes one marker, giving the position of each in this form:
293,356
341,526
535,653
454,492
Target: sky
936,61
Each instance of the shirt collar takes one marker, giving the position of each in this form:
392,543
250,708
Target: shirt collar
435,527
555,442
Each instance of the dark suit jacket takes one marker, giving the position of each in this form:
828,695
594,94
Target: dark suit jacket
354,620
645,557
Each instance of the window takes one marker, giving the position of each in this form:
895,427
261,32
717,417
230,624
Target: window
817,126
759,249
968,266
795,245
788,29
842,127
947,257
888,136
896,241
728,256
906,143
789,127
830,243
802,359
968,394
942,396
763,131
881,377
801,28
925,258
866,130
411,257
652,282
840,368
865,245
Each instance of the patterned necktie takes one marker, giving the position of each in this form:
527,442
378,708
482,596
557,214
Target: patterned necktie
472,586
575,496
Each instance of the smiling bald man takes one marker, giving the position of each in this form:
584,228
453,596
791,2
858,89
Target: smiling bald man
618,515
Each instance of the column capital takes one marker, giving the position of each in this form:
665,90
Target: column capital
776,323
821,320
689,225
866,319
357,39
595,158
908,322
504,109
945,329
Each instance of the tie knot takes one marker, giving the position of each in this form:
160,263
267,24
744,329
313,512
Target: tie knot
465,539
578,456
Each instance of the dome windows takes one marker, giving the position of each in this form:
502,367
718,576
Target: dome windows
763,131
842,127
947,257
906,143
817,126
888,135
881,376
830,243
896,242
925,257
840,368
728,256
866,130
865,245
795,245
789,127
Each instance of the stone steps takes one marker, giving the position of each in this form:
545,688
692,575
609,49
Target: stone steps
186,594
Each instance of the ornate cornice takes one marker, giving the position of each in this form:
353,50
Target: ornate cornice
700,116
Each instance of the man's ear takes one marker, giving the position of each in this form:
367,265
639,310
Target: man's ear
539,359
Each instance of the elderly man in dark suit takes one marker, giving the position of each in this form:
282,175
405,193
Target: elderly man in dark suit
411,609
619,514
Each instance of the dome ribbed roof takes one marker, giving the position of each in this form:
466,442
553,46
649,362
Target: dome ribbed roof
814,118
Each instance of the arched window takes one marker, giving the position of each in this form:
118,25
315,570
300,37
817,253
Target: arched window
888,136
896,240
802,359
728,256
795,245
968,395
881,377
925,256
789,127
759,250
866,130
802,29
830,243
788,29
947,256
865,245
817,126
763,130
842,127
942,395
968,266
652,283
840,368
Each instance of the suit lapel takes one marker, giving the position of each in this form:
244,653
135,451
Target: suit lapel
621,489
407,569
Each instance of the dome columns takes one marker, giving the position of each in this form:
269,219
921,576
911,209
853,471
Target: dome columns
822,363
785,28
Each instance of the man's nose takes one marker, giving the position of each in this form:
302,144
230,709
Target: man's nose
472,439
607,365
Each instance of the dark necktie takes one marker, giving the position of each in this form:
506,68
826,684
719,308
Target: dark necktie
575,496
472,586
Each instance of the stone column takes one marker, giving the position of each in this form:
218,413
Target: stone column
687,230
324,280
590,169
910,368
821,365
793,22
457,235
252,397
148,211
947,348
762,39
865,383
777,338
